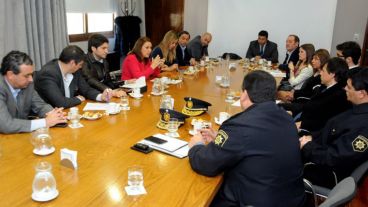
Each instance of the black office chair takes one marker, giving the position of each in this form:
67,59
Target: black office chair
360,172
358,175
341,194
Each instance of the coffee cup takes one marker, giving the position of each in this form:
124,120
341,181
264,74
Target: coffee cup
197,126
223,116
136,91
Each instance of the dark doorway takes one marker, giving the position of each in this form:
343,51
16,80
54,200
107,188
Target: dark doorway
162,16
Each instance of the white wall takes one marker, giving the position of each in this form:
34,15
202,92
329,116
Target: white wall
234,23
195,16
351,18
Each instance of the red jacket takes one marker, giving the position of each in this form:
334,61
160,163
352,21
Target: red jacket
133,69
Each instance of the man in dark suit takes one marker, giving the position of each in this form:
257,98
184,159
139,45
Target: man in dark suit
349,51
257,149
292,53
328,102
182,55
263,48
18,99
60,82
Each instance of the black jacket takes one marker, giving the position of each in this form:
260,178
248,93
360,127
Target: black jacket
322,107
179,56
270,53
96,73
258,149
50,86
342,145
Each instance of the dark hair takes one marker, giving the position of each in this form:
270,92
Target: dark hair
263,33
359,78
296,38
323,56
13,60
96,40
260,86
183,32
309,49
350,49
138,47
72,52
338,67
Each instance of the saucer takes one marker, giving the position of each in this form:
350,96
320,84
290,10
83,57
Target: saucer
44,152
158,94
43,199
224,86
113,112
136,95
176,135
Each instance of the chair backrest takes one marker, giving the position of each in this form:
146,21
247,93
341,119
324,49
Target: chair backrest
310,189
359,172
342,193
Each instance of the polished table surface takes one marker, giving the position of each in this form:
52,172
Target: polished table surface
104,154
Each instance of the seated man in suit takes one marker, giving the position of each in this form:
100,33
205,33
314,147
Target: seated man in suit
349,51
342,145
263,48
257,149
60,82
292,53
96,68
18,99
198,47
182,55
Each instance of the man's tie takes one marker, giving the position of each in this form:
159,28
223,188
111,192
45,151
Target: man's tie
262,50
286,59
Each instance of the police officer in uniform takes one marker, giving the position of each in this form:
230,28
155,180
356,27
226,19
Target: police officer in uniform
342,145
257,149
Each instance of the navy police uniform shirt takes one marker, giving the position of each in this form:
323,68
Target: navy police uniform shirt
342,145
258,149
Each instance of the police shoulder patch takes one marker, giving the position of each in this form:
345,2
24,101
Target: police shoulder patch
221,138
360,143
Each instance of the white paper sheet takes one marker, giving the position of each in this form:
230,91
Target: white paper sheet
96,107
139,83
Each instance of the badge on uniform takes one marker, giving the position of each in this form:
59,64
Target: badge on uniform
195,107
221,138
166,114
360,143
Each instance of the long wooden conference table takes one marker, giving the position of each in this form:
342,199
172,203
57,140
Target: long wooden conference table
104,154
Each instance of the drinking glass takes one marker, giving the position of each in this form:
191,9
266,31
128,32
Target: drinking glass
172,126
44,184
124,102
74,118
166,102
135,176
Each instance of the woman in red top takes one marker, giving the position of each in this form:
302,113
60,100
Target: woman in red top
138,64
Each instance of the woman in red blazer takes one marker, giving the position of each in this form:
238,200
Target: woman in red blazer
138,63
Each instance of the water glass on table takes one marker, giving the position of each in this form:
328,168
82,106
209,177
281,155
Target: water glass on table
172,127
135,177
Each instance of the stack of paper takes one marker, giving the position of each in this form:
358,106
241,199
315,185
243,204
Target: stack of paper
173,146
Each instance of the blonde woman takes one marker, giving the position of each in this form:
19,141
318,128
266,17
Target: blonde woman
303,69
167,50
